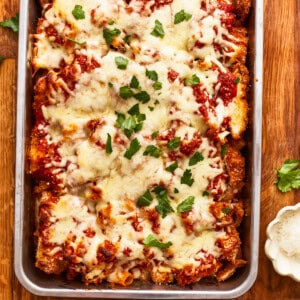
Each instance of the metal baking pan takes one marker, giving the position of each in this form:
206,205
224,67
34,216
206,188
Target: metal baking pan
41,284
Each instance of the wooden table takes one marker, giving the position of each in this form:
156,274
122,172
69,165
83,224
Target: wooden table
281,140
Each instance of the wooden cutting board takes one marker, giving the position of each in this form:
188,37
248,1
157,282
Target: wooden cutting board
281,140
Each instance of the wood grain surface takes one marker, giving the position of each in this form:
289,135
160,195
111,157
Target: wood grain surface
281,140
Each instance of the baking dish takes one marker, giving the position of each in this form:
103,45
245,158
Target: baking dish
38,283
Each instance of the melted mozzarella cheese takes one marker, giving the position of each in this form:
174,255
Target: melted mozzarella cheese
96,97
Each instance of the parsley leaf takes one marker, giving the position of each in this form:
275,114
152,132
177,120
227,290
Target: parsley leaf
121,62
176,191
12,23
134,83
192,81
172,167
134,147
174,143
144,200
223,151
226,210
129,125
120,119
127,39
76,42
134,110
155,134
109,35
288,176
152,151
181,16
151,241
152,75
142,96
108,146
164,207
205,194
158,30
186,205
126,92
237,80
197,157
111,22
78,12
187,178
157,85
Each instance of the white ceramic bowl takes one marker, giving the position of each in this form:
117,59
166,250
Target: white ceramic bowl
283,242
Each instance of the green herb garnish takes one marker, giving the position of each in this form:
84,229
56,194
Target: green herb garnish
121,62
192,81
186,205
153,151
134,83
109,35
187,178
151,75
172,167
78,12
288,176
142,96
174,143
12,23
126,92
158,30
152,241
145,200
76,42
134,147
182,16
197,157
108,146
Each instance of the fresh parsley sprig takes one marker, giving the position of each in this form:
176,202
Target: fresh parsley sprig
152,241
288,176
12,23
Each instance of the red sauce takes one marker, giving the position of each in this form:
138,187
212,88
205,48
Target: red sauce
52,32
106,252
188,147
172,75
228,89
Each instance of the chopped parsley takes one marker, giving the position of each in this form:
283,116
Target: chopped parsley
224,151
164,207
187,178
226,210
151,75
153,151
156,102
111,22
176,191
192,81
186,205
197,157
236,80
174,143
78,12
127,39
288,176
158,30
151,108
142,96
126,92
120,119
172,167
110,84
108,147
182,16
12,23
157,85
145,200
121,62
205,194
155,134
76,42
134,83
109,35
134,147
134,110
152,241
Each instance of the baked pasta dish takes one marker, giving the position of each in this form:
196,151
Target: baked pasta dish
140,109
